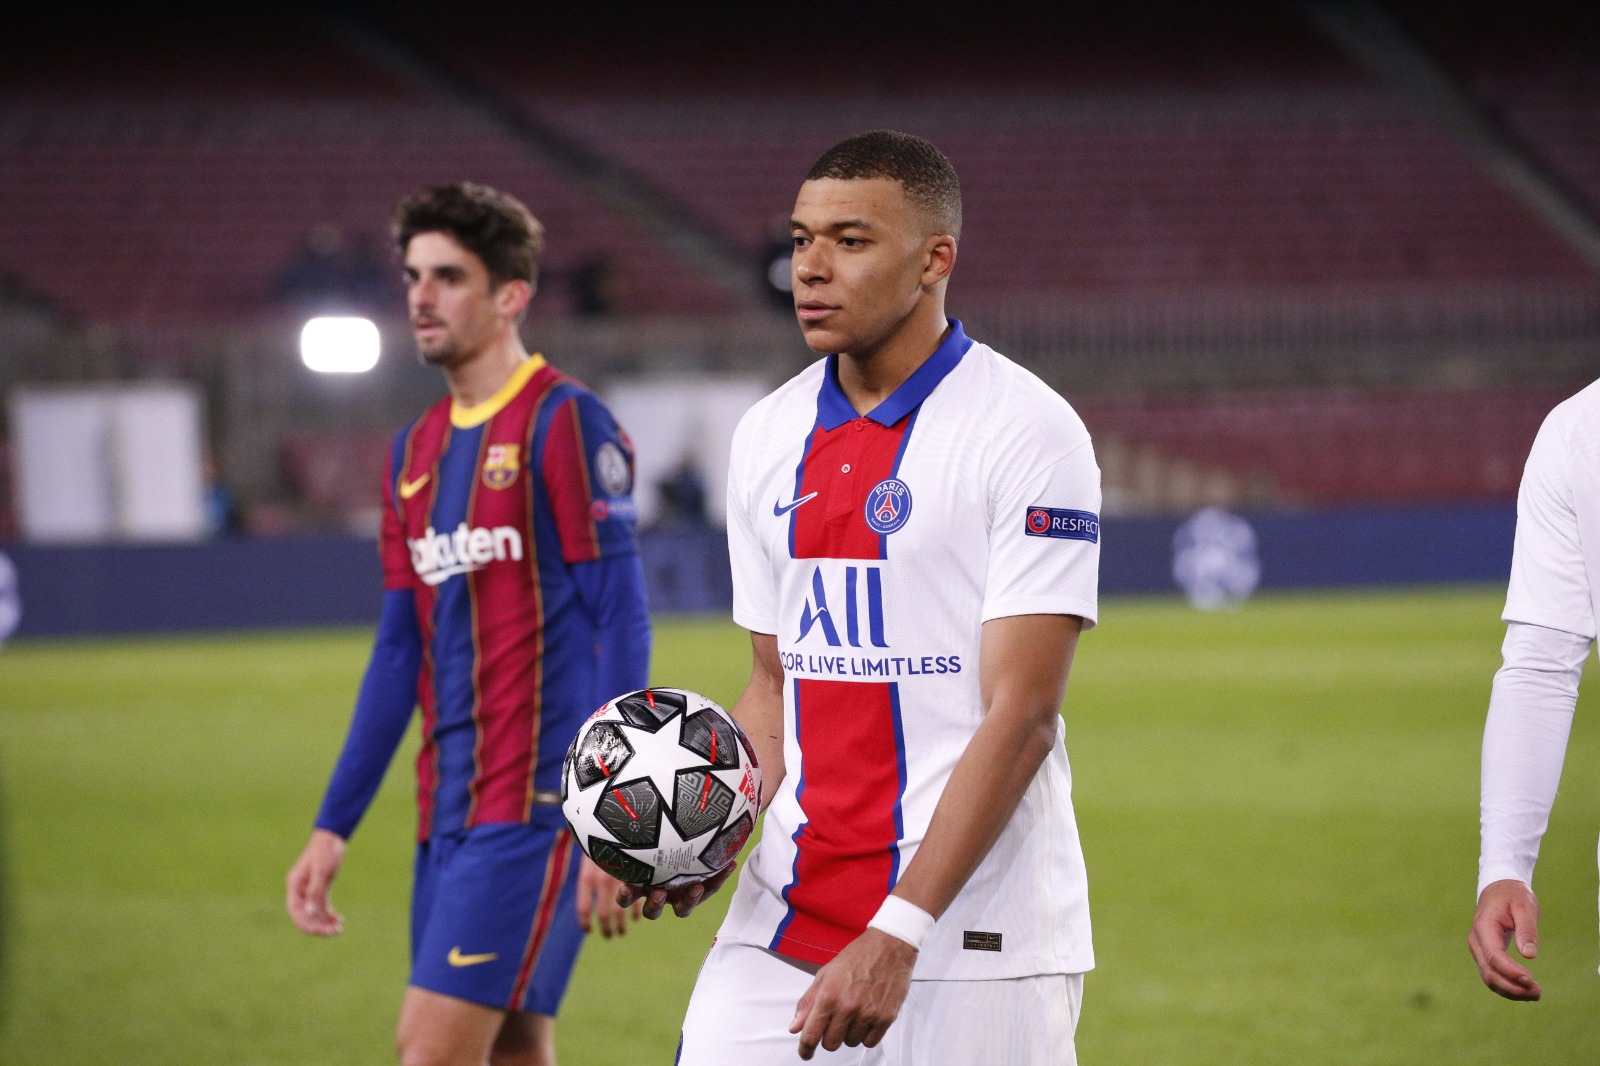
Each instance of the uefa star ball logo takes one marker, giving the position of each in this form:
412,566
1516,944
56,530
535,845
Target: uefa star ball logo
888,506
1039,521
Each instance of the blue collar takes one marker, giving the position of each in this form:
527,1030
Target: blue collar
834,410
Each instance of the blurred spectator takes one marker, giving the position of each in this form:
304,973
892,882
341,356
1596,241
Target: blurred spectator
683,496
335,272
594,287
223,516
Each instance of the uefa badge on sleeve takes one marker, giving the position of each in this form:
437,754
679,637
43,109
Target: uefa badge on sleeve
1062,523
611,470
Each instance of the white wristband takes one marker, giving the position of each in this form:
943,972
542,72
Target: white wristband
903,920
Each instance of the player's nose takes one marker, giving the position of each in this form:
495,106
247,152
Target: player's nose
420,294
809,264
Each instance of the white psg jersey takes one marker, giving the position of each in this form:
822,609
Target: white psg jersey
875,548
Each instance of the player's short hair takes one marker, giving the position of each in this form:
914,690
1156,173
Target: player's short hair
492,225
922,170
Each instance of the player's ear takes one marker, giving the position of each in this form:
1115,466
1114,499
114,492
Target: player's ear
512,297
938,258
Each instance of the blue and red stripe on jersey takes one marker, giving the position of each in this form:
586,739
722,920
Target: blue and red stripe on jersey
847,855
499,499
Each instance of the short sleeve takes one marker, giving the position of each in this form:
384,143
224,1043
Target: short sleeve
754,602
587,468
397,572
1549,584
1044,524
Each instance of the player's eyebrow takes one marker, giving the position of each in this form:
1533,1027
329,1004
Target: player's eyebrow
449,271
833,227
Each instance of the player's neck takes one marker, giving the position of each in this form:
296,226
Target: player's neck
482,374
868,378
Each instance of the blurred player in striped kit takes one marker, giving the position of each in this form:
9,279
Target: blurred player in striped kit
513,606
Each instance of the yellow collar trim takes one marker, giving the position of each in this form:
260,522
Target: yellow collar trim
478,414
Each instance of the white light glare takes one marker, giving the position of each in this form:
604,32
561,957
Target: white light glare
331,345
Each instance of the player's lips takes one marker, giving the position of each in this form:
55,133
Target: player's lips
812,310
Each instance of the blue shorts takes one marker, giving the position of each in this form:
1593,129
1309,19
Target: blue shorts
494,914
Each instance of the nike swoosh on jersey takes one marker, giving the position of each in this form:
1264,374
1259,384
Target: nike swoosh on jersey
409,489
455,958
781,509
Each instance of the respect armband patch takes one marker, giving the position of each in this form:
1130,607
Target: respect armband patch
1063,524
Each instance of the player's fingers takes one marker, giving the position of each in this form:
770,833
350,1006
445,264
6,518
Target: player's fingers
1498,970
613,917
835,1032
654,902
814,1019
856,1033
684,905
292,891
585,909
802,1009
1525,919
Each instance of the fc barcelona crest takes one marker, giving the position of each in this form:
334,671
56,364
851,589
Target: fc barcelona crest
500,465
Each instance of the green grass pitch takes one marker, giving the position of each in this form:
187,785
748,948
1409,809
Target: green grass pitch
1278,804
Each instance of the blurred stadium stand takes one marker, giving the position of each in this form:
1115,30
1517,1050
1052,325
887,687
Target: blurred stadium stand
1266,274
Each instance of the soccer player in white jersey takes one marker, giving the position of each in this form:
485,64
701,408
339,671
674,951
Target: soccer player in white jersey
1551,610
913,526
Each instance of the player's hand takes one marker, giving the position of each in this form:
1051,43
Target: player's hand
682,898
598,902
309,881
854,999
1507,910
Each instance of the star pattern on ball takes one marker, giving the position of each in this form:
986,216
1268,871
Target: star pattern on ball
658,753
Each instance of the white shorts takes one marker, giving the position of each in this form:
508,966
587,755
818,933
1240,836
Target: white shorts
745,996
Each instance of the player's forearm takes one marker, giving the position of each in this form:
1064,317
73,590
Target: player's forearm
612,590
1024,662
1524,744
383,710
983,793
759,712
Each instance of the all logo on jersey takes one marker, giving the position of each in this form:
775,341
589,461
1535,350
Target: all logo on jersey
611,470
860,602
843,632
500,465
1063,524
888,506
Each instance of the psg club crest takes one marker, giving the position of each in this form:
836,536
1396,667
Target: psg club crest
888,506
500,465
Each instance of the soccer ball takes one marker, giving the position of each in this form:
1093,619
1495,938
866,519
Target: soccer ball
661,787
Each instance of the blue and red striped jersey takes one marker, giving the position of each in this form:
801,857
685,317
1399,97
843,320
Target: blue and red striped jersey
486,511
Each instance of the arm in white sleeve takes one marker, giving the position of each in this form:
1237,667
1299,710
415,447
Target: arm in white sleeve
1524,743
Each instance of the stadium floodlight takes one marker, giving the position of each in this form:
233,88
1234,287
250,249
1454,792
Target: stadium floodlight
339,345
